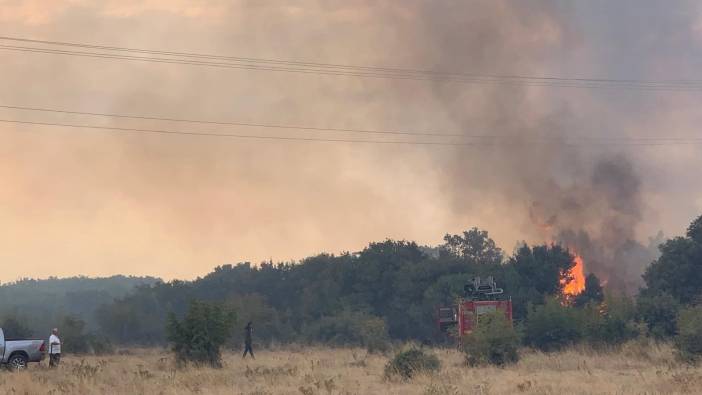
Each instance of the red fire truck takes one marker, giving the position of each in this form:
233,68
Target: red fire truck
480,297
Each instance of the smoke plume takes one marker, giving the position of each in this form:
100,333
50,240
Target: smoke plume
82,202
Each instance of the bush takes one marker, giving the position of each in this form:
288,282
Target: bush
350,329
374,335
593,293
99,344
552,326
659,313
267,321
15,328
409,362
611,323
73,339
676,271
688,341
200,335
494,341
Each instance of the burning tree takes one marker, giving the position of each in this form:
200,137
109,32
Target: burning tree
574,279
545,267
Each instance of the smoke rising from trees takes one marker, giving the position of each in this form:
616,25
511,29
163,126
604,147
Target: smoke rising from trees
102,204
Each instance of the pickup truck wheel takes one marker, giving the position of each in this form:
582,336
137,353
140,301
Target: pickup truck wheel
17,362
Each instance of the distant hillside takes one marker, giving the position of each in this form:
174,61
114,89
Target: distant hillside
40,303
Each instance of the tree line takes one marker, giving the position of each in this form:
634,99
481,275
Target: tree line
392,287
390,290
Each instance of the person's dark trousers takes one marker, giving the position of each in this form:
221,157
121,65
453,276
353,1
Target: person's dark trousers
248,349
55,359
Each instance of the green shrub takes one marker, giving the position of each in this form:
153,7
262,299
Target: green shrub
610,323
659,312
411,361
15,327
349,328
73,339
593,293
688,341
76,341
99,344
200,335
374,335
494,341
552,326
268,322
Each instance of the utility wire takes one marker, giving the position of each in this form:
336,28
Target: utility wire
354,67
283,69
683,86
247,124
227,135
310,139
344,130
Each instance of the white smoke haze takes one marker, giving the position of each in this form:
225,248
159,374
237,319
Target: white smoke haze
95,203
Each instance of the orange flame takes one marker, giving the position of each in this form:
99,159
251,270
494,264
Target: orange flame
577,284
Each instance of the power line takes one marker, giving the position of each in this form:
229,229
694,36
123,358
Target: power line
289,69
354,67
247,124
358,71
226,135
476,80
356,74
314,139
345,130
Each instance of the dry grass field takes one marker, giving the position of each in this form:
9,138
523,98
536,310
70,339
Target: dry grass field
635,369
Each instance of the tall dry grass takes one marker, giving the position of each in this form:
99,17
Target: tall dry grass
636,368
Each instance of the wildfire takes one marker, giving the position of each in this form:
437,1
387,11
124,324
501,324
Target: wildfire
577,284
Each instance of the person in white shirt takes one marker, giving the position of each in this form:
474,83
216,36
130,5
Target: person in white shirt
54,349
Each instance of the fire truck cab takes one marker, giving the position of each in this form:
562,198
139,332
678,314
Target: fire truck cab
480,296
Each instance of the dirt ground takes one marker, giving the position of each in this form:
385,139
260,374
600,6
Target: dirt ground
634,369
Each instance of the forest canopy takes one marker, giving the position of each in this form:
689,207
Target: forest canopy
389,290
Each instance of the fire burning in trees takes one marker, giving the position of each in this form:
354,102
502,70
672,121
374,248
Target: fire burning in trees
577,283
573,281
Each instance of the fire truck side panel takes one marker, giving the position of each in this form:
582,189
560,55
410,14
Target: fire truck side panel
470,312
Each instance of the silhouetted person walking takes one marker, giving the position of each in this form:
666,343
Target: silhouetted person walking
247,340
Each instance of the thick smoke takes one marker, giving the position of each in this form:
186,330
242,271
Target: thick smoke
102,203
601,224
591,201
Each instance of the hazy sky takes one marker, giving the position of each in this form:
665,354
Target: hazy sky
94,203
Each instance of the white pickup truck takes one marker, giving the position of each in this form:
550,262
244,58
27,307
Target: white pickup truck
17,353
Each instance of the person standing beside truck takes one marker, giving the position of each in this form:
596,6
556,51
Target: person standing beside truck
54,349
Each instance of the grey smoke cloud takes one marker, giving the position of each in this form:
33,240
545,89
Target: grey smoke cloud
98,203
